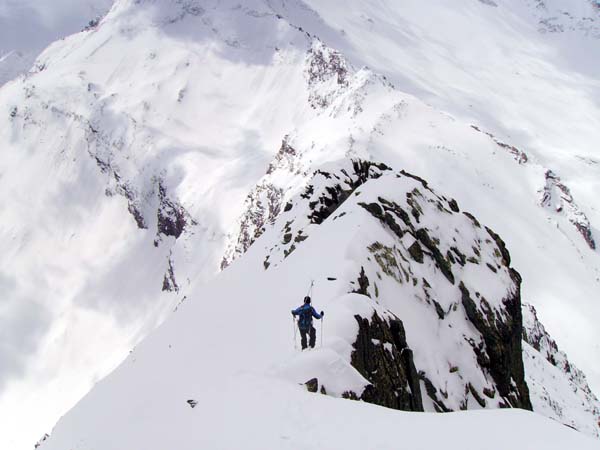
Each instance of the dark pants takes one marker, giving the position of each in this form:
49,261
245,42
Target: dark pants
312,333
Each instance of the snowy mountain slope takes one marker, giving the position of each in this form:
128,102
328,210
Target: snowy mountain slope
434,259
558,389
226,361
487,65
576,17
571,400
522,85
366,117
116,170
136,144
29,26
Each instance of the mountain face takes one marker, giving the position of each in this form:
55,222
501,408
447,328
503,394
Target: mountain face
418,316
558,388
177,139
29,26
418,258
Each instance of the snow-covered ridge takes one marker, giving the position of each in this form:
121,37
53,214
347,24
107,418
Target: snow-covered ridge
382,342
557,198
141,154
558,388
559,17
439,262
570,400
28,26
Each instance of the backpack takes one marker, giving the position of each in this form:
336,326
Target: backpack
305,317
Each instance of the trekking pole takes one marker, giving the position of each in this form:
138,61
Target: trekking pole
309,293
321,331
294,325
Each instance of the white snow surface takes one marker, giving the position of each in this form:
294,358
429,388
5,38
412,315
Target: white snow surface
227,349
194,99
558,389
29,26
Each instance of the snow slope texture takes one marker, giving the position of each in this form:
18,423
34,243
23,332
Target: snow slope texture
128,154
29,26
221,362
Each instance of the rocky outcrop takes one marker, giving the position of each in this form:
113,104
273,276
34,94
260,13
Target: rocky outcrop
517,154
342,187
382,356
553,19
319,202
169,282
498,350
172,217
558,388
286,159
263,205
432,261
557,197
502,353
447,269
326,72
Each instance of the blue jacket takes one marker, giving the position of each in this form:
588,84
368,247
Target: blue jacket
306,313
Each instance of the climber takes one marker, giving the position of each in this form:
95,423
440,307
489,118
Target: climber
306,313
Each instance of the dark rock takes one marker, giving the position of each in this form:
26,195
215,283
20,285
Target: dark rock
489,392
438,309
416,252
300,237
378,212
415,213
284,158
263,205
473,219
172,218
42,440
438,404
443,265
287,252
350,395
192,403
501,246
374,209
324,65
308,192
476,395
460,257
169,282
450,257
338,193
391,222
502,354
138,216
453,206
312,385
414,177
363,283
391,371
